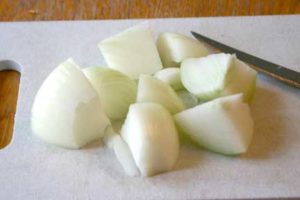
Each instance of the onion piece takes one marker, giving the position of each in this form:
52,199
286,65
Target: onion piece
67,111
114,141
173,48
217,75
151,89
244,80
223,125
116,90
132,52
125,157
152,137
170,76
206,77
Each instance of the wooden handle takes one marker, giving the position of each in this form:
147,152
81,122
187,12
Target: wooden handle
9,87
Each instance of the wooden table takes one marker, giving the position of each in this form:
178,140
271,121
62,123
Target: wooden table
28,10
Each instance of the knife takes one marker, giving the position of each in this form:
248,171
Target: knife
276,71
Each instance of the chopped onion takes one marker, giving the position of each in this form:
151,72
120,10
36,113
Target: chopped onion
223,125
174,48
217,75
116,90
189,100
206,77
67,111
74,107
114,141
151,89
132,52
244,80
170,76
152,137
125,157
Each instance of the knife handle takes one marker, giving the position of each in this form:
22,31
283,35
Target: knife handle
277,77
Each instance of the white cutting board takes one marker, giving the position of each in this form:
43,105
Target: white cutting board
31,169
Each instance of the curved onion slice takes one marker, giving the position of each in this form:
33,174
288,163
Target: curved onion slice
206,77
116,90
217,75
152,137
67,111
151,89
122,151
170,76
132,52
223,125
173,48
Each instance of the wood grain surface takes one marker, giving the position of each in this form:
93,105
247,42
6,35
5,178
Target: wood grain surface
20,10
9,86
28,10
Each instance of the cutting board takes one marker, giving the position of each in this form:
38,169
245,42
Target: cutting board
31,169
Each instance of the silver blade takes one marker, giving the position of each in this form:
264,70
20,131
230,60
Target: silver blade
276,71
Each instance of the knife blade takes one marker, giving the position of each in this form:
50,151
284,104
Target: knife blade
276,71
